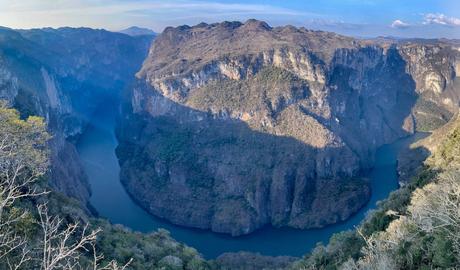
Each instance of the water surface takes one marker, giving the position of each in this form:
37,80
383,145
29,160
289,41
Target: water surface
97,151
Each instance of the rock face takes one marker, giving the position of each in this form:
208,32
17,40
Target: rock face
433,67
235,126
63,75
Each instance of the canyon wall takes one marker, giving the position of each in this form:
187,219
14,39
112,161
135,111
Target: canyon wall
234,126
63,75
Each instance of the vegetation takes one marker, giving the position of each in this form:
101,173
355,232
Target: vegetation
417,227
429,115
426,237
31,238
271,89
147,251
42,229
448,154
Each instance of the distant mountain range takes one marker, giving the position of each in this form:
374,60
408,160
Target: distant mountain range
138,31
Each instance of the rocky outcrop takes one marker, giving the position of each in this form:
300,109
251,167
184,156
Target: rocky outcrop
62,75
234,126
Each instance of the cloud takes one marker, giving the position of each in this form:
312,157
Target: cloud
118,6
440,19
398,24
117,14
331,25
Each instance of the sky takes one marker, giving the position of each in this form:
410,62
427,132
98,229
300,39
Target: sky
361,18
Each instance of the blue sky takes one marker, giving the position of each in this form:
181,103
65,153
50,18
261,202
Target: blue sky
366,18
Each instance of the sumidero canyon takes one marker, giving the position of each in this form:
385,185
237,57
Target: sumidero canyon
229,134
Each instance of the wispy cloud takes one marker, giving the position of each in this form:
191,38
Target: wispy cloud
399,24
158,12
337,24
351,17
440,19
118,7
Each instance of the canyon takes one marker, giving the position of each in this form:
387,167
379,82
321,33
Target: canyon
64,75
232,126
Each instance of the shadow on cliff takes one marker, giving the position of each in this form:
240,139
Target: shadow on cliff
195,170
381,112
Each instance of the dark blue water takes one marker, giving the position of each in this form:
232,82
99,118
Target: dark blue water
97,151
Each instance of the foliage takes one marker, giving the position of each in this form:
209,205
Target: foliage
146,250
430,116
416,227
42,229
427,237
23,160
448,153
269,89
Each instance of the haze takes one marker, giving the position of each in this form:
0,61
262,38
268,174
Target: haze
369,18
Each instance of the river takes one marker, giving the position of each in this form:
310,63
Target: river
97,146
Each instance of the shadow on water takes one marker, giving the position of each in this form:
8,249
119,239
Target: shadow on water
97,146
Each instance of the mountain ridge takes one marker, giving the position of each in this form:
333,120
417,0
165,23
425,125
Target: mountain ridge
138,31
319,88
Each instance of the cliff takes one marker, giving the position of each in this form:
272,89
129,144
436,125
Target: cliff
249,125
63,75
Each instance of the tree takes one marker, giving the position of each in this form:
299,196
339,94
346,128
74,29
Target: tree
23,162
62,245
427,235
436,208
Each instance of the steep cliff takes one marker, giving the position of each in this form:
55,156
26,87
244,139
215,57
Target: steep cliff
434,68
63,75
234,126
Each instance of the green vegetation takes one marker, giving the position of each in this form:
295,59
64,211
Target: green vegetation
270,88
417,227
173,142
448,154
426,236
42,229
147,251
429,115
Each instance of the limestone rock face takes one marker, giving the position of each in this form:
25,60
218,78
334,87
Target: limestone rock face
433,67
8,85
234,126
